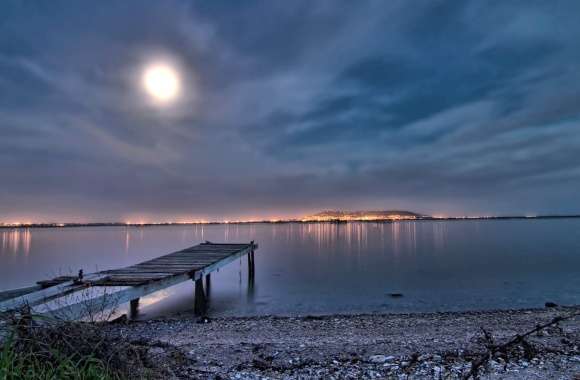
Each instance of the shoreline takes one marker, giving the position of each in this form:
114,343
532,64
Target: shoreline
289,221
367,346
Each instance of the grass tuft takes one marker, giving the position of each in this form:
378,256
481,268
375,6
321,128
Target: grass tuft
32,366
66,350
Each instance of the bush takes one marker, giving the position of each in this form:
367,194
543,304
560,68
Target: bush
65,350
16,365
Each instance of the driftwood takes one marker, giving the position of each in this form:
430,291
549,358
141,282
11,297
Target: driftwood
493,348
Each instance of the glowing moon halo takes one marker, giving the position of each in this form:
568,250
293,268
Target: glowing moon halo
161,82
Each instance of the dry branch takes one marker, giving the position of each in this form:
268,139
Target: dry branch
493,348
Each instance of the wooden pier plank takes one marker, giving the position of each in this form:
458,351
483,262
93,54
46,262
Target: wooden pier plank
140,279
141,286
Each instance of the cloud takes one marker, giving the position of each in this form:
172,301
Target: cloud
445,106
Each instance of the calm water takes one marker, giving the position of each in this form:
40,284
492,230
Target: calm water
329,268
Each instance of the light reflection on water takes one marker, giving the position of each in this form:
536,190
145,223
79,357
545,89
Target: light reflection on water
16,241
328,268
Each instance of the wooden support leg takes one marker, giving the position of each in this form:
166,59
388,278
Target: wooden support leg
207,286
251,274
250,287
133,308
200,301
252,265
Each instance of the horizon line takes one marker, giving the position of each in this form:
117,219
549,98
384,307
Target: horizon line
274,221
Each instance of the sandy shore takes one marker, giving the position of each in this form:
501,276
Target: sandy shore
401,346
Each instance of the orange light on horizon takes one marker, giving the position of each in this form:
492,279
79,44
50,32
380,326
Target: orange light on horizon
142,220
353,218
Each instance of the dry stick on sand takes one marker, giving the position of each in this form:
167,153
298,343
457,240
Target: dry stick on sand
519,338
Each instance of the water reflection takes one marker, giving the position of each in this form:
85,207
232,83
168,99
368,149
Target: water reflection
356,237
440,231
353,237
154,298
325,267
127,240
16,241
133,238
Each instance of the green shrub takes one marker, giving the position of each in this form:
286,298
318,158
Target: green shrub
16,364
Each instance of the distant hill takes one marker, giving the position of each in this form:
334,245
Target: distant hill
330,215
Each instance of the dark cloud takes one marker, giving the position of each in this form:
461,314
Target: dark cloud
439,106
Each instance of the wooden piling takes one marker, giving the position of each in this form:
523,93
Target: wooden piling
133,308
207,286
251,265
200,307
253,262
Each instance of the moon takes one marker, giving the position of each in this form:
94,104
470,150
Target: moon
161,82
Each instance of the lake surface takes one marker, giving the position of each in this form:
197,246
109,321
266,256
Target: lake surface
329,268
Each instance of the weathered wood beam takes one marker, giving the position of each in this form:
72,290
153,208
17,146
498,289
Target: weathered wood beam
48,294
13,293
112,300
210,268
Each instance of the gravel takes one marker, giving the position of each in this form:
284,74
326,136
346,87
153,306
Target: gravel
397,346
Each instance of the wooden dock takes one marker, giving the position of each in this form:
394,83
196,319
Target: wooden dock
135,281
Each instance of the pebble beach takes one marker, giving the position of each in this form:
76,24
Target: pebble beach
385,346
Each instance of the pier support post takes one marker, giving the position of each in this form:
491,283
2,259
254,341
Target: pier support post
251,290
251,265
251,273
207,285
200,300
133,308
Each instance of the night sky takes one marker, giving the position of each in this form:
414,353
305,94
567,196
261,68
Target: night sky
288,107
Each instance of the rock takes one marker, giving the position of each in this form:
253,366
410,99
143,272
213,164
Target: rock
550,304
313,318
261,364
157,354
380,359
204,320
437,372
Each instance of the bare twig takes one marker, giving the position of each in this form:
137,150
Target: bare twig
518,339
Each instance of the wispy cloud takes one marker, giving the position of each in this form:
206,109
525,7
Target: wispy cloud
450,106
